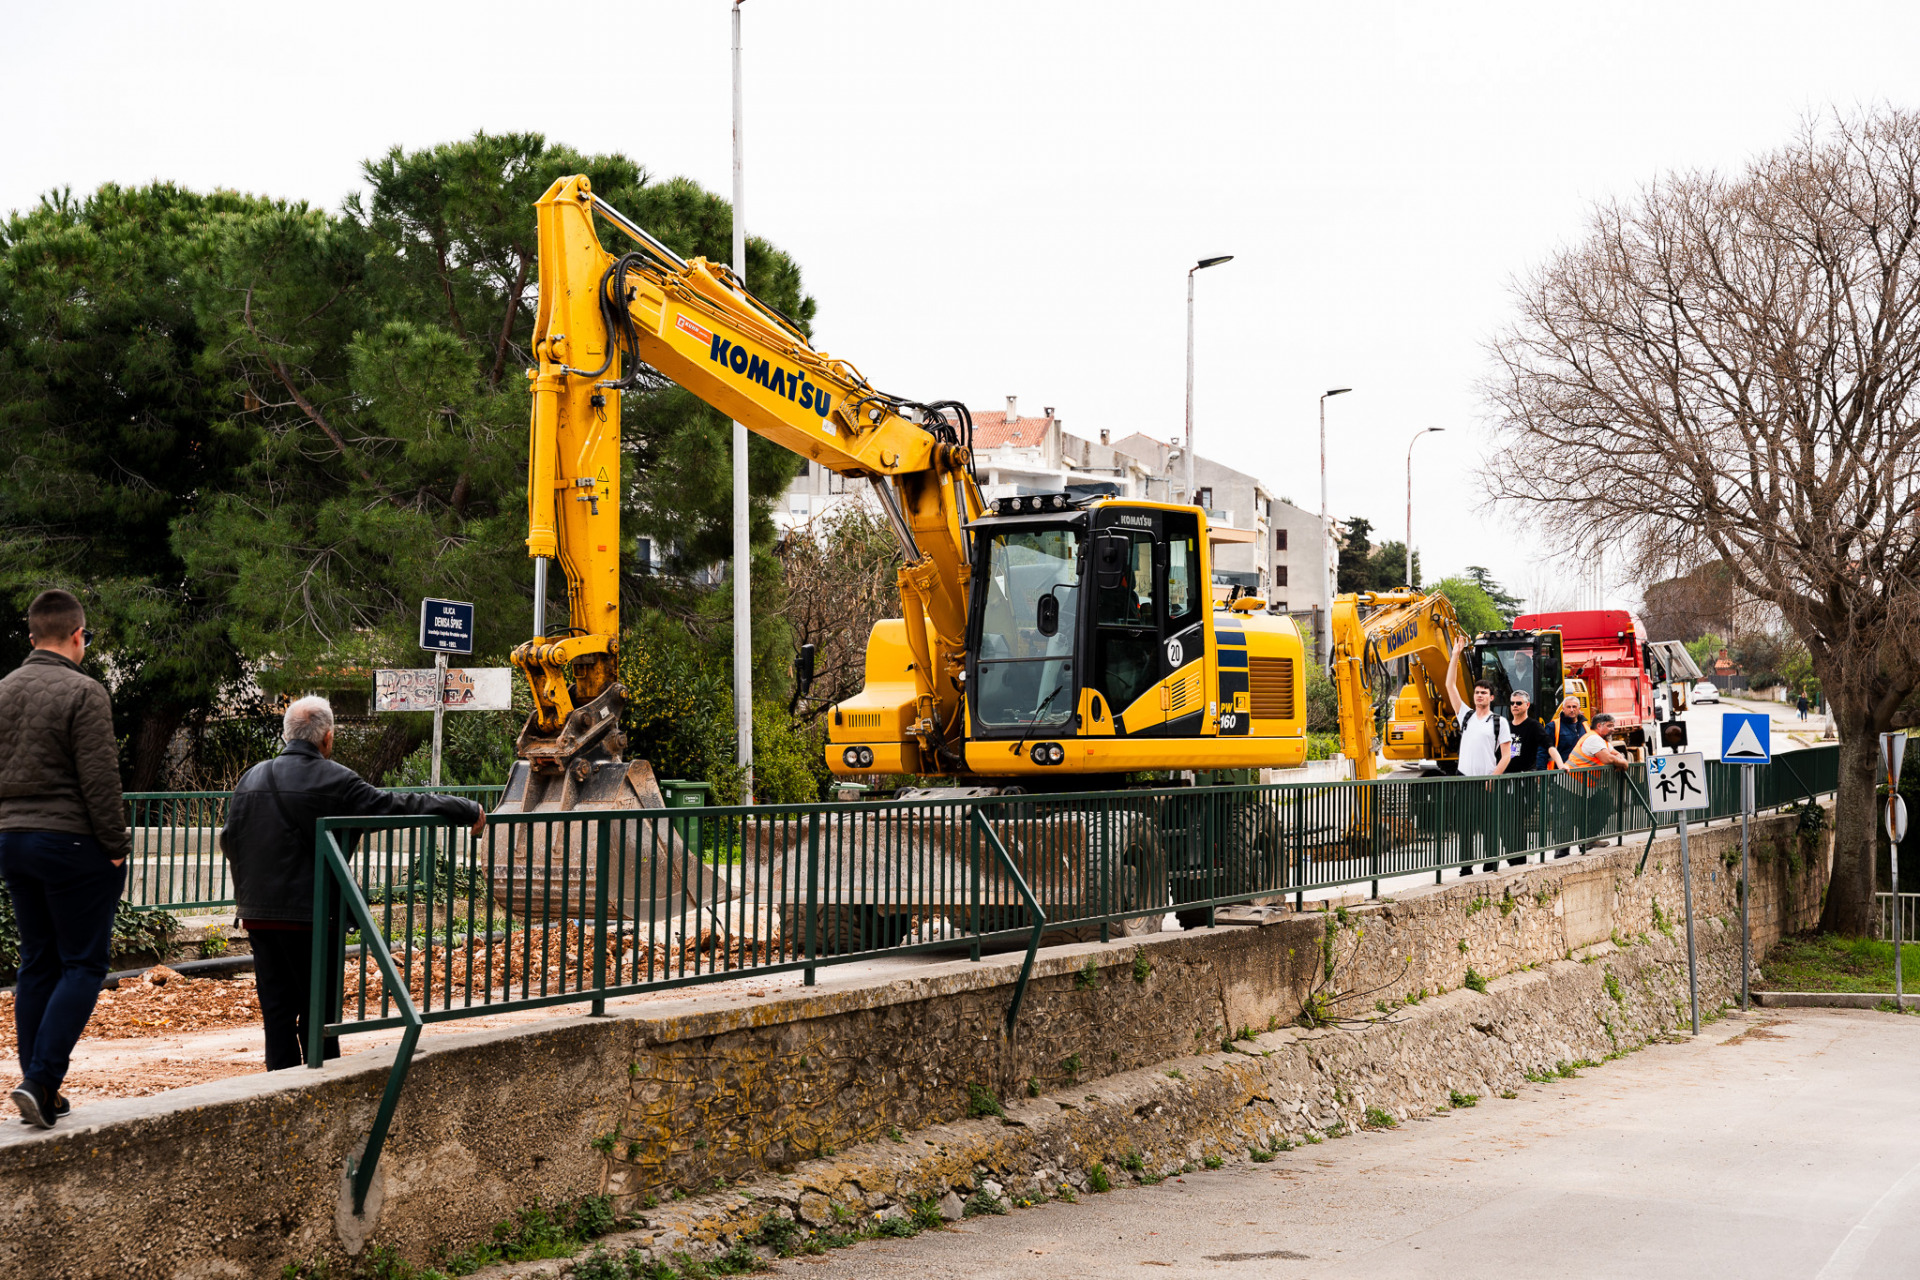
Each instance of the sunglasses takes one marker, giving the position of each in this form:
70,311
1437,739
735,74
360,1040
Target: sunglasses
86,635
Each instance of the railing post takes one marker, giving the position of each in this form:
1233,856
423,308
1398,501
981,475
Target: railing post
322,961
814,907
975,908
600,866
1372,793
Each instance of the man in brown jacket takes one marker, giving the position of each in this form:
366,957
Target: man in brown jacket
63,844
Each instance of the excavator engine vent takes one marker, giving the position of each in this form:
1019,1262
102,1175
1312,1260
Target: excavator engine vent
1271,683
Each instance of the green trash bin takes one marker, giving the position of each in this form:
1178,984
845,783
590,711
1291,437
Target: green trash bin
686,795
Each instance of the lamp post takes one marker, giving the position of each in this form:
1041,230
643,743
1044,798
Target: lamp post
742,549
1201,265
1326,530
1410,444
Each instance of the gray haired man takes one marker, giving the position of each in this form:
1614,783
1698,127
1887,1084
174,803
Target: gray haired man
269,844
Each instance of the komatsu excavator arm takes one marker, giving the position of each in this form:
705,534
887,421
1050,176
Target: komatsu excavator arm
1372,629
601,318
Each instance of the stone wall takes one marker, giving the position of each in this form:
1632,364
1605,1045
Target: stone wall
238,1177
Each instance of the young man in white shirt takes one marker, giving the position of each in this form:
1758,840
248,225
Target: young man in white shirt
1486,739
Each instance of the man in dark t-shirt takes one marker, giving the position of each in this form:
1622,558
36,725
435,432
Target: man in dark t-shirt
1530,738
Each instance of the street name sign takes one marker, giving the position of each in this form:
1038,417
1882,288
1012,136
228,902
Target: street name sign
1746,738
467,689
1677,782
446,626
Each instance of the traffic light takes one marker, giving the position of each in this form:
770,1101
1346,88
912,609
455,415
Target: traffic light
1673,735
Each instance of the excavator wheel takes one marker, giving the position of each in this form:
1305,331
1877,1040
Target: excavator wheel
1136,869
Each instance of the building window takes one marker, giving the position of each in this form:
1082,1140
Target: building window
643,554
806,466
1206,497
1279,539
1279,575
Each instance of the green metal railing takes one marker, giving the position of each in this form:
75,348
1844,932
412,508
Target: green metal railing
554,908
176,863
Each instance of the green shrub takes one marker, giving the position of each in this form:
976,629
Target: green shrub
1459,1099
982,1102
983,1202
1097,1179
1474,981
1380,1118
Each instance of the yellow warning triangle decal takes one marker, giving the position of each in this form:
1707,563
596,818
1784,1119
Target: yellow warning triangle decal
602,477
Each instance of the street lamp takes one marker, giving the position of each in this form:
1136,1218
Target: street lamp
1326,530
1337,391
1201,265
1410,444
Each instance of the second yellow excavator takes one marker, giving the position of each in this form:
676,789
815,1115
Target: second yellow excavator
1400,643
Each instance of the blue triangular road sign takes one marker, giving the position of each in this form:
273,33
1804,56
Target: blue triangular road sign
1746,739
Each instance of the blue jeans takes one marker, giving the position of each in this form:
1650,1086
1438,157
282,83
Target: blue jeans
64,892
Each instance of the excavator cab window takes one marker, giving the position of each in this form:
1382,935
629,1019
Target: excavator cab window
1025,662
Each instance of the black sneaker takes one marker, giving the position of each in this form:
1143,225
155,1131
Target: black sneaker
36,1108
61,1105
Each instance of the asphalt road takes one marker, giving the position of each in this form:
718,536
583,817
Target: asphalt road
1790,732
1785,1145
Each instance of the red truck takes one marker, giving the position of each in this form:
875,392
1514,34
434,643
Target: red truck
1618,668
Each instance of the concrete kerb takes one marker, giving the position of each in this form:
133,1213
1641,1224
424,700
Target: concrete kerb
241,1175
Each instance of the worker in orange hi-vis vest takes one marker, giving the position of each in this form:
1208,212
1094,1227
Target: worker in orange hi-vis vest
1587,772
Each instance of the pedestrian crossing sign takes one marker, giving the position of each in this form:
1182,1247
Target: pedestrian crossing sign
1746,739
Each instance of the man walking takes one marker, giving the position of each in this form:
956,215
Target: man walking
63,844
269,844
1486,747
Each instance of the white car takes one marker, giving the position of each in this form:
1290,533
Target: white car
1705,691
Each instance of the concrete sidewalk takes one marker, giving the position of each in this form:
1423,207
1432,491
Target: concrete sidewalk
1781,1145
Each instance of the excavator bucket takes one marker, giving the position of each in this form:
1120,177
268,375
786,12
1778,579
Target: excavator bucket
614,820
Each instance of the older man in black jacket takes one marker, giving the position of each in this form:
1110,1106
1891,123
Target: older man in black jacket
269,843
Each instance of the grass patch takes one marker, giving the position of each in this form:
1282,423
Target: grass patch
1474,981
1097,1179
1213,1162
1459,1099
1379,1118
1828,962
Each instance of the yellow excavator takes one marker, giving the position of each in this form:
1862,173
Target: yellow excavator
1044,640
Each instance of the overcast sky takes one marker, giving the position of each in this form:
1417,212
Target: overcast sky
1003,198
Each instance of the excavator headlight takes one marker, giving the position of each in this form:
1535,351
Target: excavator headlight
866,757
852,757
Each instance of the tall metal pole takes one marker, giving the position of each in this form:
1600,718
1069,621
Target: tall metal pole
1410,444
1327,561
742,552
1746,874
439,712
1686,881
1201,265
1189,463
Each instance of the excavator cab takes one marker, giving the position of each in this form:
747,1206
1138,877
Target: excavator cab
1080,616
1526,660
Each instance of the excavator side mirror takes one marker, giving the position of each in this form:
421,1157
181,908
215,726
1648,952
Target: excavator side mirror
1110,561
803,669
1046,612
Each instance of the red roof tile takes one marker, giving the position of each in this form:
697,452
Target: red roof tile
992,430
